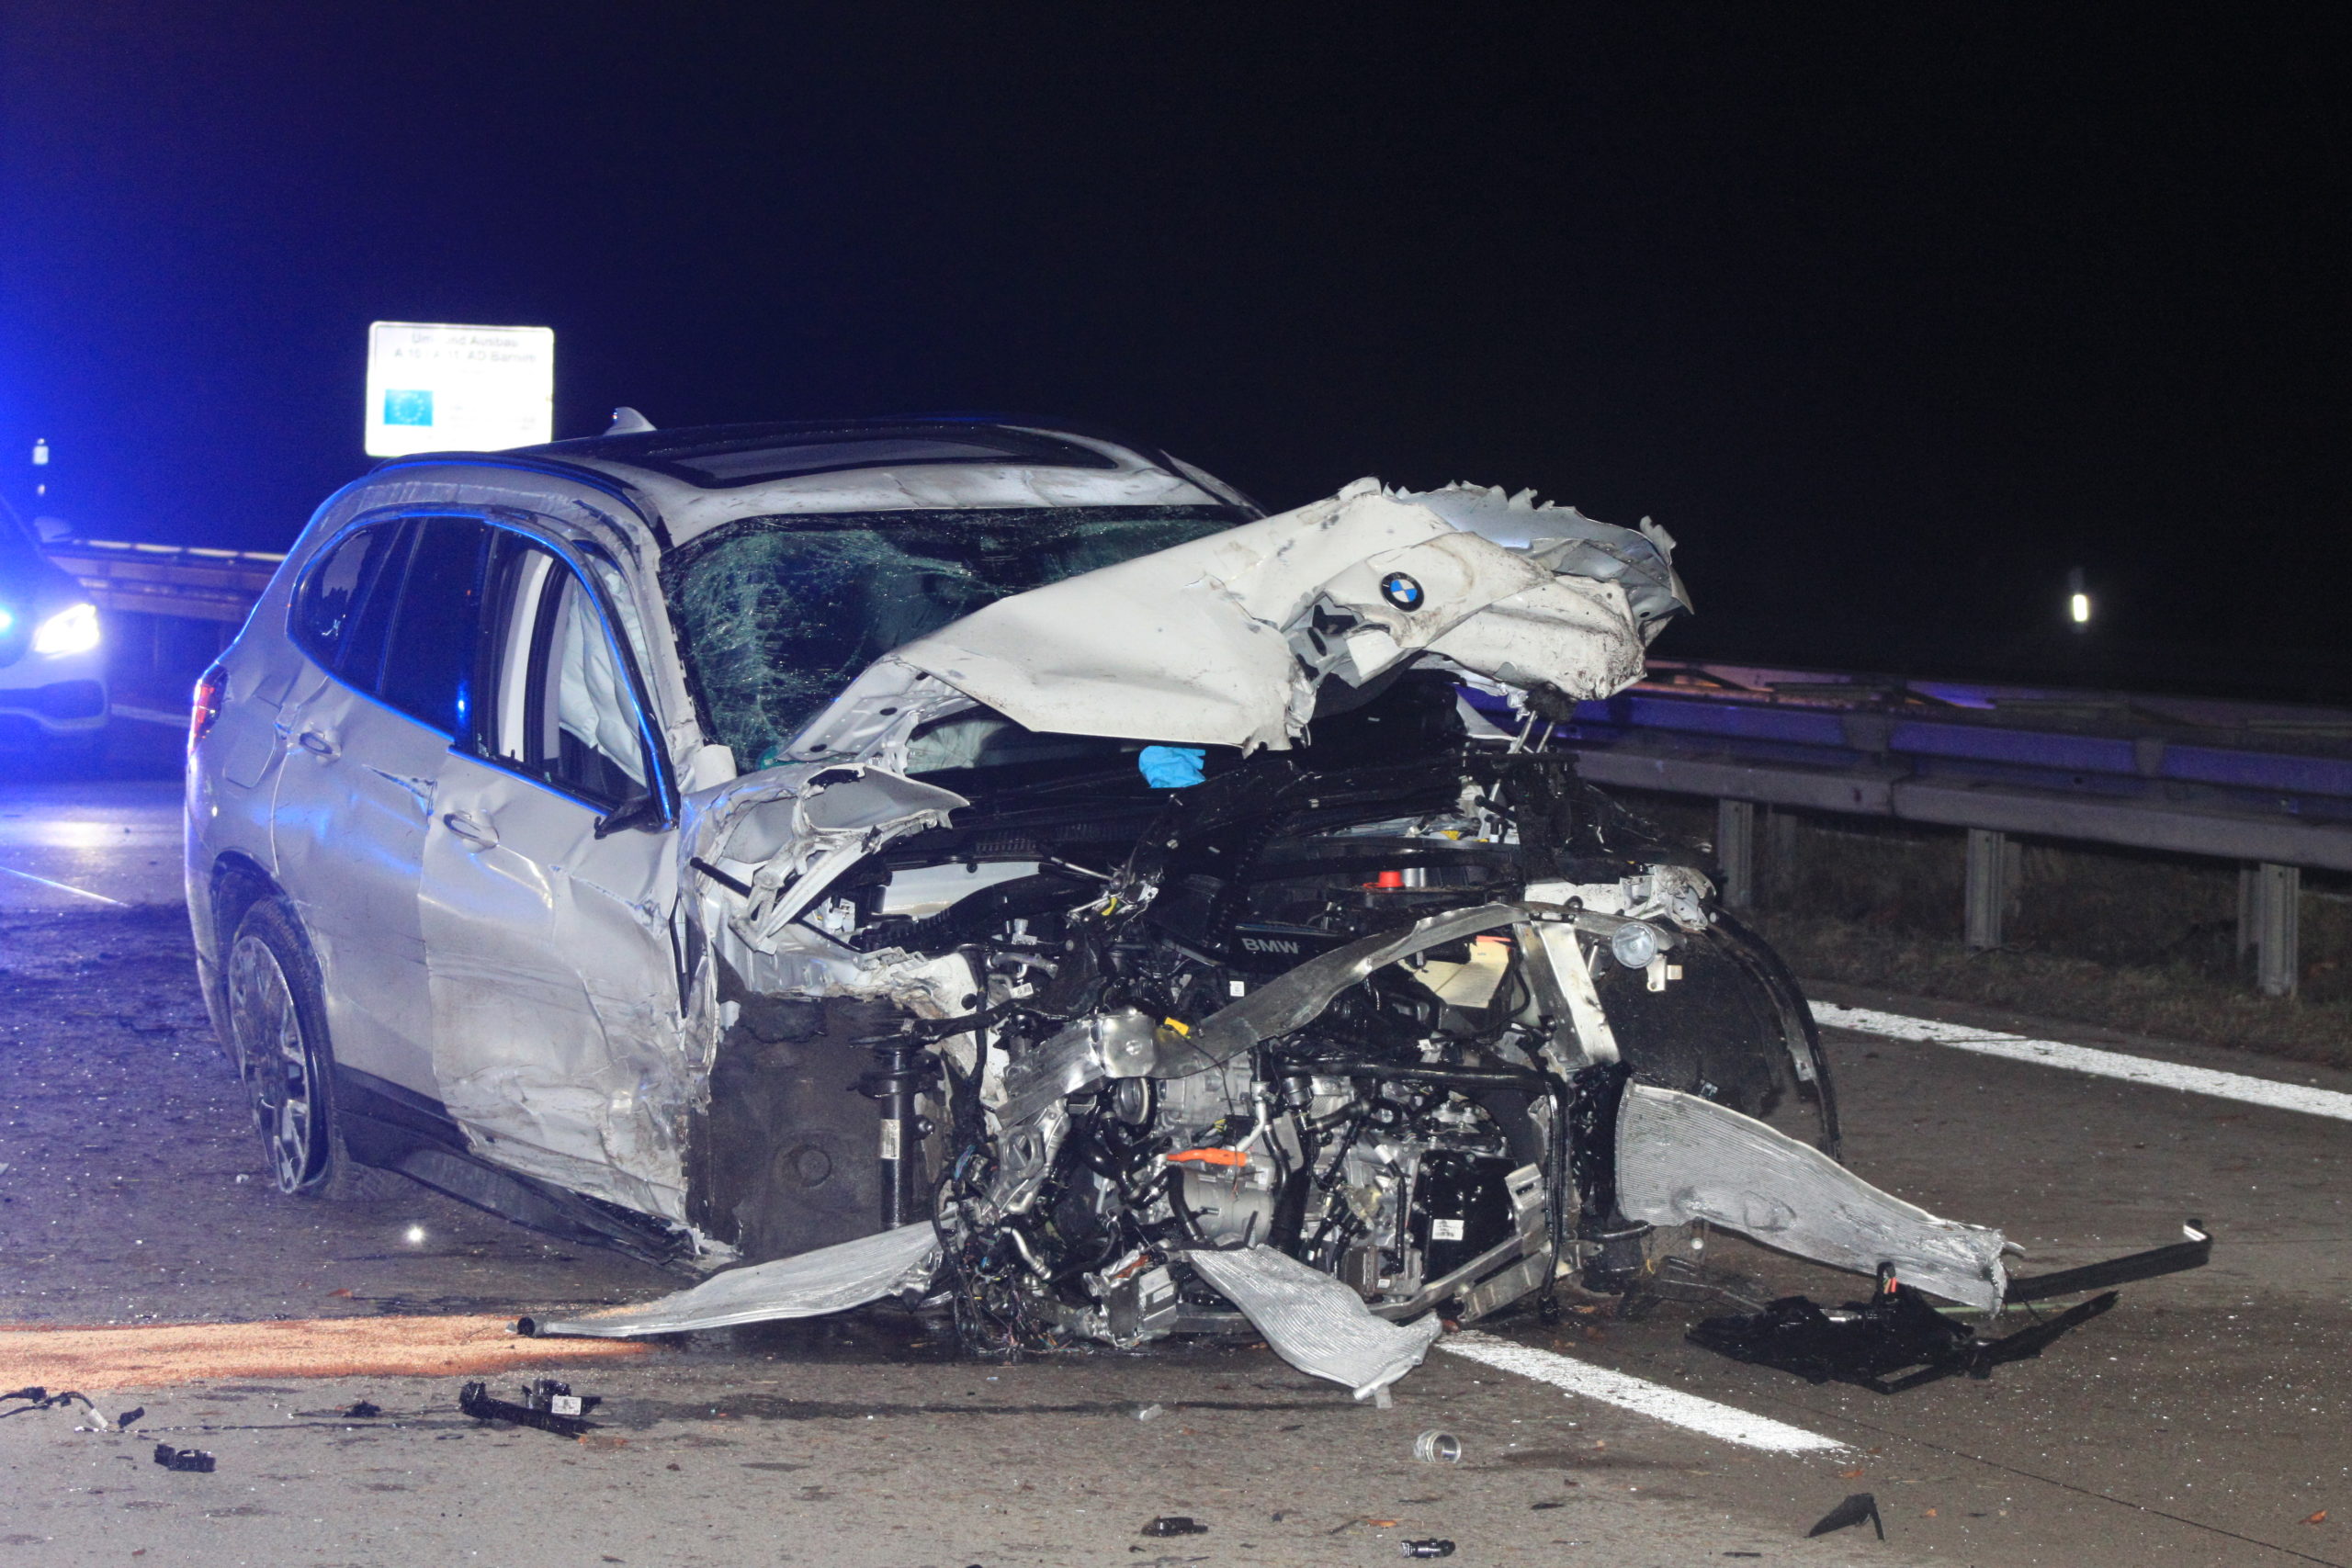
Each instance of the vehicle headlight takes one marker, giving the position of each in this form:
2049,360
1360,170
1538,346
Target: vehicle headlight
1633,945
73,630
8,620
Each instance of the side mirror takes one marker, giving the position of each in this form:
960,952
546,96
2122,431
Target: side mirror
645,811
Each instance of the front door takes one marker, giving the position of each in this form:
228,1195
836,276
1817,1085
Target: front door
549,883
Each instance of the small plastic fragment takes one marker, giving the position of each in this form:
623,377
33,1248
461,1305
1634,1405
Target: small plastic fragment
1151,1411
122,1422
1175,1523
362,1410
1431,1546
1436,1447
192,1461
1856,1509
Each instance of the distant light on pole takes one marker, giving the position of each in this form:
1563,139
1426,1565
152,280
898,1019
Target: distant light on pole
40,452
2078,599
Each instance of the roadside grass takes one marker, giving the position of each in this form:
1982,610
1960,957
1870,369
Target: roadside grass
2178,1000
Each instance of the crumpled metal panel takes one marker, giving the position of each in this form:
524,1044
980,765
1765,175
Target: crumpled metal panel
1313,1322
1681,1158
1224,640
554,991
831,1278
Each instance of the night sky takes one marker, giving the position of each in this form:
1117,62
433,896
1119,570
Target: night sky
1890,314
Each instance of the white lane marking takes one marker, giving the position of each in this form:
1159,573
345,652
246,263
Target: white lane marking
2084,1059
153,716
64,887
1671,1405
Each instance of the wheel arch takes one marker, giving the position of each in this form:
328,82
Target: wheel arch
237,883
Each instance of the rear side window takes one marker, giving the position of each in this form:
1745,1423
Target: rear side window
428,658
329,607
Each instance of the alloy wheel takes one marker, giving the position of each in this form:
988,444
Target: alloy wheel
277,1062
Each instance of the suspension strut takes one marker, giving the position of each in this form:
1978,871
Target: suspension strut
902,1070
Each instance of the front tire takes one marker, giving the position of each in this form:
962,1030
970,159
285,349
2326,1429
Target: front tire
277,1029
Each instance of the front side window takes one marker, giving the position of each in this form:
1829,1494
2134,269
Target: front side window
776,614
564,713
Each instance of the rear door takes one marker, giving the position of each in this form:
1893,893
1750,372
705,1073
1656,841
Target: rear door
386,618
548,885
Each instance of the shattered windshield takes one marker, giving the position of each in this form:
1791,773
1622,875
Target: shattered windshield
776,614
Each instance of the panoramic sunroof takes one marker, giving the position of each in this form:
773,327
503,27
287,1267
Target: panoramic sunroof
756,455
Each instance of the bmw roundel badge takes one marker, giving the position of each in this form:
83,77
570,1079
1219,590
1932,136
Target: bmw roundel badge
1401,591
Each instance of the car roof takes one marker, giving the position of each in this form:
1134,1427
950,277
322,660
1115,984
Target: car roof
701,477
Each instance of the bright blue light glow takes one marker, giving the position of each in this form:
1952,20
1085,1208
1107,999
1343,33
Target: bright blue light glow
7,619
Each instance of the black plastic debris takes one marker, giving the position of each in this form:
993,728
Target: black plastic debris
122,1422
1868,1343
194,1462
2194,1253
362,1411
1856,1509
556,1398
41,1399
1175,1523
560,1412
1434,1545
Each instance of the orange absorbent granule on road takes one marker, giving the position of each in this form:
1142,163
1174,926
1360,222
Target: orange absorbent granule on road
153,1356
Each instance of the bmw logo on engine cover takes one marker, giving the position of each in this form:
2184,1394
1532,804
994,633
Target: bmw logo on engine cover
1401,591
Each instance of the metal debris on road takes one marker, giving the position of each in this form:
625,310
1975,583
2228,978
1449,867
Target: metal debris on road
192,1461
1433,1546
1437,1446
1856,1509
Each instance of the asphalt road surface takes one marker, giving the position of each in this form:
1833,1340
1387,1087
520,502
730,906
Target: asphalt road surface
2205,1421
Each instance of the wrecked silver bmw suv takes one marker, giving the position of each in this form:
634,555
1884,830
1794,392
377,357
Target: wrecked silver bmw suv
1002,866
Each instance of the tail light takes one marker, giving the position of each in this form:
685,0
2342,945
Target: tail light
205,708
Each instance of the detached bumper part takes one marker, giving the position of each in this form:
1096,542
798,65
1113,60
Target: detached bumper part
1313,1322
1870,1342
831,1278
1681,1158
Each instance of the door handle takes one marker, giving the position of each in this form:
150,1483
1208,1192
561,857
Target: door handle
313,741
471,828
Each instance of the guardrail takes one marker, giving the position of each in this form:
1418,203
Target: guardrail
2267,785
170,610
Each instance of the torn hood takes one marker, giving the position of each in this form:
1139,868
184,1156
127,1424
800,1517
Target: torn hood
1226,641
